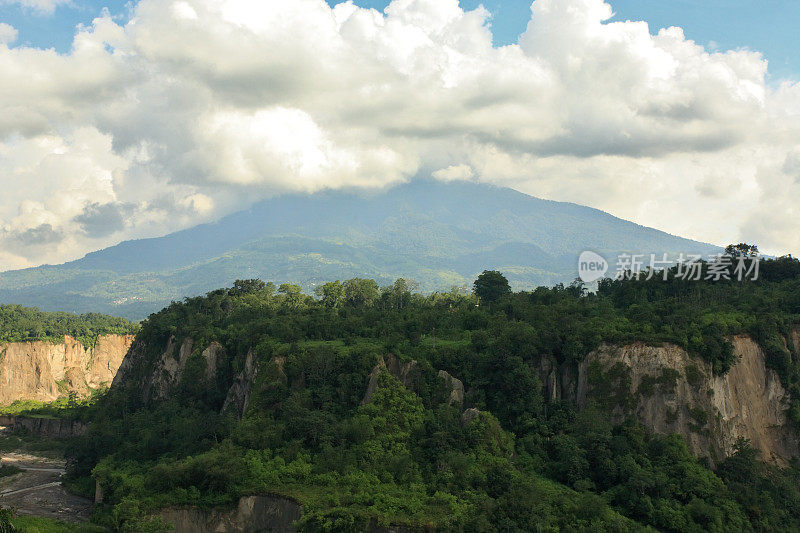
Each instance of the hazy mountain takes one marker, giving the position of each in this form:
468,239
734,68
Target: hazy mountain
440,234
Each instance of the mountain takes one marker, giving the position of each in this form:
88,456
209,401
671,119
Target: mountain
439,234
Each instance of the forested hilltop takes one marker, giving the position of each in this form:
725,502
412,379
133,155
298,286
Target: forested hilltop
263,390
28,324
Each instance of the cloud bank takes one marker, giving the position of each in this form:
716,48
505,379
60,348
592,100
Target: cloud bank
196,108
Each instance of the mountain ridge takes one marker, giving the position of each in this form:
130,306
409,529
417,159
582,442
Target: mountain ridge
440,234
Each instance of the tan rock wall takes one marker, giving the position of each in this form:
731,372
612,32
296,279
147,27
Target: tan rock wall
43,370
748,401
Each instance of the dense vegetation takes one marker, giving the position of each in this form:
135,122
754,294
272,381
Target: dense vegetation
31,524
68,406
409,456
26,324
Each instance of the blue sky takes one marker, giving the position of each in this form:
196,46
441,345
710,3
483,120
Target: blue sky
769,26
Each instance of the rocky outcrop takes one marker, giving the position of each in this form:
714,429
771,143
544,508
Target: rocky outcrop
469,415
152,373
559,382
454,386
51,428
238,396
408,372
252,514
44,371
211,357
671,392
168,369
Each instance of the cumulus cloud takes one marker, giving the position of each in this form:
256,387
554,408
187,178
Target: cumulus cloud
8,33
195,108
454,172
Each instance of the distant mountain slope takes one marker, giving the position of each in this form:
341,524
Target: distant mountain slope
440,234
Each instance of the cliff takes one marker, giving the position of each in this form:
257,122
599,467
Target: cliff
44,427
44,371
252,514
663,387
153,377
668,391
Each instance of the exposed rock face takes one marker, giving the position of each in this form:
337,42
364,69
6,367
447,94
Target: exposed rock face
106,356
408,372
252,514
211,356
469,415
239,394
168,369
663,386
44,427
455,386
44,371
559,382
671,392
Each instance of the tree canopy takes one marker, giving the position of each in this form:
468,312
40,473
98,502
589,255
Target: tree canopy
490,286
506,459
26,324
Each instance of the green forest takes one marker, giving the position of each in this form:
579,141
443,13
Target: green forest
506,459
27,324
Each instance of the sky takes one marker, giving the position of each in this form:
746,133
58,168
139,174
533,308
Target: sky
769,26
124,120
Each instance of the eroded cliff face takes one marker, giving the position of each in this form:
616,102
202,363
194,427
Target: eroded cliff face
252,514
44,371
155,377
44,427
669,391
238,396
168,369
664,387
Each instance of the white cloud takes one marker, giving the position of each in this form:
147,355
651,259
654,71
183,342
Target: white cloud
39,7
454,172
195,108
8,33
286,149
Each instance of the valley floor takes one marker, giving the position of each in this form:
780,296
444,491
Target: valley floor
37,489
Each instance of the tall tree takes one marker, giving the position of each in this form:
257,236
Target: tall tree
293,294
330,294
360,292
490,286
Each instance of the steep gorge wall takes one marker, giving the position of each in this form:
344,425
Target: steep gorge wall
44,371
44,427
669,391
664,387
252,514
153,378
